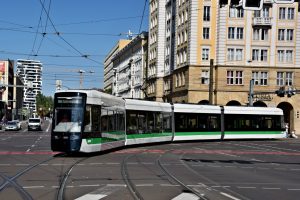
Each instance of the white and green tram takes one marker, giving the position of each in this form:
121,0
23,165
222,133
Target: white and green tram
92,121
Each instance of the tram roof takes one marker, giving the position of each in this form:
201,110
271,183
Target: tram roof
133,104
100,98
252,110
195,108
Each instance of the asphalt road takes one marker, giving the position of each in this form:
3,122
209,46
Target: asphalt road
252,169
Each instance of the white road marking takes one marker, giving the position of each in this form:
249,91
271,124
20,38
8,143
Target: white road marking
21,164
95,163
96,185
100,193
295,169
271,188
5,165
240,187
229,196
91,197
169,185
33,187
144,185
184,196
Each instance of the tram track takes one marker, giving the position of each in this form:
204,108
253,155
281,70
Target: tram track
63,181
130,185
183,185
11,181
168,176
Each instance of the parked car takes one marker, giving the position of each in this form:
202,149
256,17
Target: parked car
11,126
34,124
18,124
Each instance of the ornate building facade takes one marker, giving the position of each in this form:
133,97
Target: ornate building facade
207,51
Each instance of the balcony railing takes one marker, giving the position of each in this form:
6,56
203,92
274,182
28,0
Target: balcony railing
262,21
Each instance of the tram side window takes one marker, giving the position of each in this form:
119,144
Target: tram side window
104,120
180,121
192,122
87,119
214,123
150,123
111,120
142,122
131,122
167,122
158,122
120,121
96,120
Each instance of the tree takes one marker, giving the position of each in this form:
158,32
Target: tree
44,105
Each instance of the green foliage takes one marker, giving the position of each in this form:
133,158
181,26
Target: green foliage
44,104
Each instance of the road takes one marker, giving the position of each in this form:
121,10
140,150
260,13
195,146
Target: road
252,169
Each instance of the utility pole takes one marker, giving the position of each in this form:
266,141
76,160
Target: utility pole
211,81
251,92
81,77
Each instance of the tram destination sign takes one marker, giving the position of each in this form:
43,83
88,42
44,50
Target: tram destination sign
262,97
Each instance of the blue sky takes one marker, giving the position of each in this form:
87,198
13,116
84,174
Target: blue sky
75,28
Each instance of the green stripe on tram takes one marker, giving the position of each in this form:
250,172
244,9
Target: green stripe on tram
148,135
252,132
109,137
196,133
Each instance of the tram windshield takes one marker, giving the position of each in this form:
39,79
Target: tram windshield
68,114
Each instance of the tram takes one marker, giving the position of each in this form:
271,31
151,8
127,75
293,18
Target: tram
92,121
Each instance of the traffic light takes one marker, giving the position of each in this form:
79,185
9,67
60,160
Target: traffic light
290,92
252,4
280,92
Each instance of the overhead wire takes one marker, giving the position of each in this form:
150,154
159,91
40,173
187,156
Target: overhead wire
62,38
36,32
45,28
142,19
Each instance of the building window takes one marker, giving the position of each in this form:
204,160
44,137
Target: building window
206,13
260,55
260,34
264,12
231,33
234,54
289,56
281,34
205,33
236,33
205,77
205,53
291,13
236,12
260,78
281,13
289,34
285,34
240,33
263,55
284,78
234,77
280,55
285,56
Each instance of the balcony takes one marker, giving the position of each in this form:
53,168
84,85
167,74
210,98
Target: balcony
262,21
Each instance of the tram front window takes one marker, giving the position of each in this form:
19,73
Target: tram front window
68,115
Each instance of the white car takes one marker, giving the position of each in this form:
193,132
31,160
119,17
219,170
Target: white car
11,126
34,124
18,124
